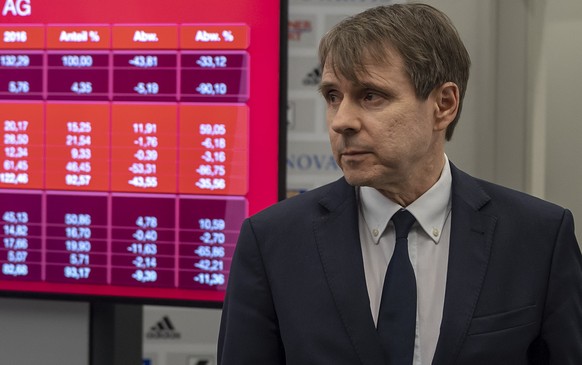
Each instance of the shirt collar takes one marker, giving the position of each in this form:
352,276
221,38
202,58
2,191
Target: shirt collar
430,209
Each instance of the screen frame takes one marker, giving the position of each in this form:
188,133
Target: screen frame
281,194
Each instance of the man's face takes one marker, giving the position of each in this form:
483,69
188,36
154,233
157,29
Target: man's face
381,134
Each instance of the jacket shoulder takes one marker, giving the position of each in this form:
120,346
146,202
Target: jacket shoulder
514,200
299,206
494,197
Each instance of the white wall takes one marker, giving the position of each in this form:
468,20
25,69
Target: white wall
554,100
43,332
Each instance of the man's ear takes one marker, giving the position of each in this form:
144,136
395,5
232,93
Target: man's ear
447,104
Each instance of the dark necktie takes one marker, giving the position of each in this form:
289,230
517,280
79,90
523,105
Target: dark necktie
397,316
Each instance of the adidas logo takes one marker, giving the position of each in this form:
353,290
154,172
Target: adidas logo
201,361
164,329
313,78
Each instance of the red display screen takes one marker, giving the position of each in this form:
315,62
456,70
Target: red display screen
136,136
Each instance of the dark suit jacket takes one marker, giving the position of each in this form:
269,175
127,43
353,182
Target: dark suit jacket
297,292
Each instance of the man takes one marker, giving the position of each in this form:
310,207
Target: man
323,278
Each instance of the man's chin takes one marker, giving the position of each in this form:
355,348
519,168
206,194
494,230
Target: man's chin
355,180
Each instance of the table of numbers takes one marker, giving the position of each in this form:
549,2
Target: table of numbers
123,153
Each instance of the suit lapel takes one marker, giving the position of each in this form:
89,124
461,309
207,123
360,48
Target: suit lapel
470,246
338,243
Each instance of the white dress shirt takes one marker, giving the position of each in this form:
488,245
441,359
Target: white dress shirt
428,247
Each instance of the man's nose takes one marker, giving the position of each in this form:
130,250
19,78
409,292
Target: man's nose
346,118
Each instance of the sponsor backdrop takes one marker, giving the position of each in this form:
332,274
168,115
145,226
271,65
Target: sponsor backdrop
309,159
175,336
180,336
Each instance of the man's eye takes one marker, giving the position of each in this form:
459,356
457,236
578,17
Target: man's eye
370,96
331,97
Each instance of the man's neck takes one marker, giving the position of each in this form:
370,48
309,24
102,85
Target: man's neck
415,185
